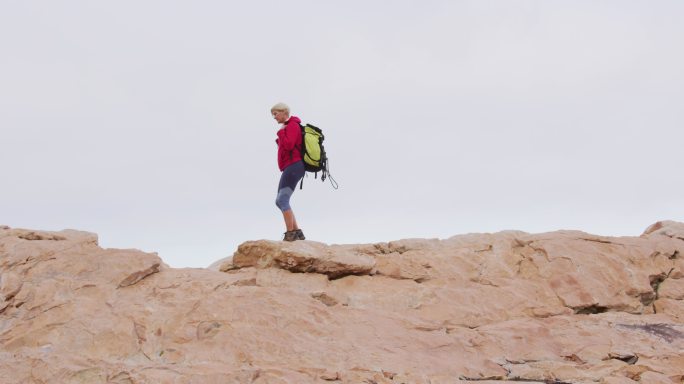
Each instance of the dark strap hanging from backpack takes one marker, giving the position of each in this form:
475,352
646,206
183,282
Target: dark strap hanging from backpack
326,173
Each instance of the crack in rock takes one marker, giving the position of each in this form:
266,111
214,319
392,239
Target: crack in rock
389,248
656,281
589,309
514,379
597,241
541,251
630,359
486,248
208,329
31,236
120,378
574,358
136,277
324,298
661,330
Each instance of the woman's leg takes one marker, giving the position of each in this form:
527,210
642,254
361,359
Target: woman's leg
294,222
288,183
290,221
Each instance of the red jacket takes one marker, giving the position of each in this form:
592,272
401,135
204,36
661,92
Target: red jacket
289,143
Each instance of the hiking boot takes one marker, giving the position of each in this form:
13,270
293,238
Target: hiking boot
300,234
290,236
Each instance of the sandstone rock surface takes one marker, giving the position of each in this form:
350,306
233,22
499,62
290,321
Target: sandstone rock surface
560,307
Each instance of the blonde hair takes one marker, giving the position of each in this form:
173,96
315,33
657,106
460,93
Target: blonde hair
281,107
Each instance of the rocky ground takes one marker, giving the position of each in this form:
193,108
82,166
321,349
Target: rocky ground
560,307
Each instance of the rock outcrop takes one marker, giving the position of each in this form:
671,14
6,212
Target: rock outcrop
560,307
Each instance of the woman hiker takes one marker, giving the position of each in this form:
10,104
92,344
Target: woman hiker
291,165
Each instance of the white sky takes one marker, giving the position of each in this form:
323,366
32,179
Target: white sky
148,122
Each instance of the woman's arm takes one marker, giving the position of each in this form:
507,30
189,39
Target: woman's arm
287,137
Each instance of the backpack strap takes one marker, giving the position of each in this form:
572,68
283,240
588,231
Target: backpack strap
301,184
301,144
326,173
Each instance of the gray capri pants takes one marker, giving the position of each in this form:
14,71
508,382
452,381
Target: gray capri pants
288,182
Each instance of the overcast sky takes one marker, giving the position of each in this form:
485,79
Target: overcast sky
148,123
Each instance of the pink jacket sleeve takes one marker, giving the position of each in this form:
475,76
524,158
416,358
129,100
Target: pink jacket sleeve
287,137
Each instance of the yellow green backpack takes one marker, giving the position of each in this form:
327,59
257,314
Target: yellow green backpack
313,153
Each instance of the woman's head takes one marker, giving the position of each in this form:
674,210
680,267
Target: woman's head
280,112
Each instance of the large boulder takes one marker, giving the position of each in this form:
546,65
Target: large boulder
303,256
